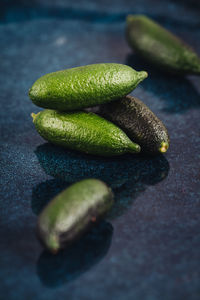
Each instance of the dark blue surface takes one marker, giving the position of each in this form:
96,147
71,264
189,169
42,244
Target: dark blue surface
152,249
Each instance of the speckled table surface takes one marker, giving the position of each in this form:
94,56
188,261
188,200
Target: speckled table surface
149,246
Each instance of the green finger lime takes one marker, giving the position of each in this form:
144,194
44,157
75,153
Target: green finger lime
85,86
72,212
85,132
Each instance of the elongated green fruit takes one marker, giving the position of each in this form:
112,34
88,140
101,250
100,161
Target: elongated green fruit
139,123
84,132
160,47
85,86
72,212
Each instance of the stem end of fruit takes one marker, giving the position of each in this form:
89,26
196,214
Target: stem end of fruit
164,147
143,75
53,244
34,116
134,148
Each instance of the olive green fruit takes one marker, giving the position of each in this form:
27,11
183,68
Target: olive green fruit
80,87
72,212
82,131
139,123
160,47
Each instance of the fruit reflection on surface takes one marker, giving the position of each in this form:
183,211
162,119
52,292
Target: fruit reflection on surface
70,263
128,176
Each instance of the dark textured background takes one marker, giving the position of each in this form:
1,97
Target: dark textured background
149,246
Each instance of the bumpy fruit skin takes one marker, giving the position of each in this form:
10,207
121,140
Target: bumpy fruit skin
139,123
84,132
72,212
85,86
160,47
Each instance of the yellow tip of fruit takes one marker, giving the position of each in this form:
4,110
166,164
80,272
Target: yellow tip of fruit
164,147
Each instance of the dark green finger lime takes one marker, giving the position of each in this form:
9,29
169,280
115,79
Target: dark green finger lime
139,123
